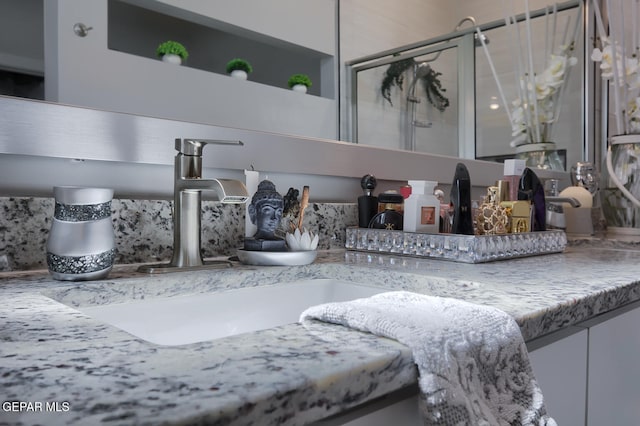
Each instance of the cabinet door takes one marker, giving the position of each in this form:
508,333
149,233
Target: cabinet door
614,373
561,370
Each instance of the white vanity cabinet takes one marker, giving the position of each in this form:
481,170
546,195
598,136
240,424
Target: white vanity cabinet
614,368
559,363
590,373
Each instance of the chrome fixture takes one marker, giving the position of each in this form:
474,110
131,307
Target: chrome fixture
573,202
477,41
81,30
585,174
555,215
187,205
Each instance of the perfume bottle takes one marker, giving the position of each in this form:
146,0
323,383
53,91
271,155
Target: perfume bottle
422,208
520,216
460,200
512,171
367,203
530,189
389,218
492,218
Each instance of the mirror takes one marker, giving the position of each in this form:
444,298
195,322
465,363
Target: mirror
417,96
364,27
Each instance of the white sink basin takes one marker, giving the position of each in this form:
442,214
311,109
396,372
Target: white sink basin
195,318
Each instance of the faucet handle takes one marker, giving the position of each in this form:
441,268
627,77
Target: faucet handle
195,146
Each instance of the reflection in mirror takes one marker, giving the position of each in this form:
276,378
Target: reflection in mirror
407,104
404,118
114,65
494,135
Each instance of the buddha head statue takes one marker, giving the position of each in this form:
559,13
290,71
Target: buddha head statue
265,210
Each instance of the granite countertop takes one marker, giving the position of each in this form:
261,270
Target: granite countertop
89,372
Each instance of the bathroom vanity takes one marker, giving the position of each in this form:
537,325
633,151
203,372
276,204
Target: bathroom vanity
84,371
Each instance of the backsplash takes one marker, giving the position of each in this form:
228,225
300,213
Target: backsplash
144,229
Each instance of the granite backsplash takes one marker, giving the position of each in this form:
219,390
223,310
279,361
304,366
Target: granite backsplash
144,229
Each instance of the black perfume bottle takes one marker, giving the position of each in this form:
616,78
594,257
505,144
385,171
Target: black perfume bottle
460,202
530,188
367,203
390,218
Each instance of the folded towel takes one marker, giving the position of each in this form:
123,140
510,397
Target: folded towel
473,363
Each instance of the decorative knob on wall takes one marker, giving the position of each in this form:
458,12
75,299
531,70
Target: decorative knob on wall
81,30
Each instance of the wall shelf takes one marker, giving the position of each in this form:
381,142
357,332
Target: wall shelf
211,44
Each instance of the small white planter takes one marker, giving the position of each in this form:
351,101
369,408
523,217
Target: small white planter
299,88
171,58
239,74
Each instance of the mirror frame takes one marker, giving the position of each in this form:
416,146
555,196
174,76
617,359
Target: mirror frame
100,146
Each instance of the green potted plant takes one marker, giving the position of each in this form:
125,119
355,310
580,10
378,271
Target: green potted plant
299,82
239,68
172,52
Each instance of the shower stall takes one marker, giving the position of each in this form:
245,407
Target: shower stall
415,99
423,72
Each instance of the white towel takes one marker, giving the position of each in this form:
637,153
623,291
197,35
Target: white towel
473,363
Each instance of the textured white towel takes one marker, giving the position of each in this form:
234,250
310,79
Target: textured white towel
473,363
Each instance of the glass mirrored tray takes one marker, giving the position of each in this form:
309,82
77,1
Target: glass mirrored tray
458,248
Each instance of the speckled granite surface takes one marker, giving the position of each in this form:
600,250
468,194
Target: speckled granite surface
290,374
144,229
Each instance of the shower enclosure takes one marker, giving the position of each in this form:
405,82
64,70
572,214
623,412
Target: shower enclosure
471,121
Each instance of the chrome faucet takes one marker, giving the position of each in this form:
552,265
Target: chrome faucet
555,212
187,205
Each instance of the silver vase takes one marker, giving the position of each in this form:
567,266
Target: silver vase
81,243
620,187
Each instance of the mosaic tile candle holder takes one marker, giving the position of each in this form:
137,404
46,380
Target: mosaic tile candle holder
81,244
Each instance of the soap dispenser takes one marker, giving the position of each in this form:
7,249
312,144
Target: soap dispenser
460,201
422,208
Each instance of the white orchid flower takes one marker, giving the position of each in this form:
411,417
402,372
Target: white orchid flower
629,66
633,115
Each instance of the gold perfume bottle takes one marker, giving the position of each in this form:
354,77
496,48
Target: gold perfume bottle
520,212
492,218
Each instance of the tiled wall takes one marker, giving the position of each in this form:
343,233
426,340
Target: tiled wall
144,229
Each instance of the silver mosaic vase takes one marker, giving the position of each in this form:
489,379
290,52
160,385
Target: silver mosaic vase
81,243
620,186
540,156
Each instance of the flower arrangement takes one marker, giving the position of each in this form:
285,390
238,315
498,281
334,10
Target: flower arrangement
619,66
238,64
299,79
536,107
172,47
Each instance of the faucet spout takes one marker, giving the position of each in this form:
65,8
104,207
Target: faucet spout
556,200
229,191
